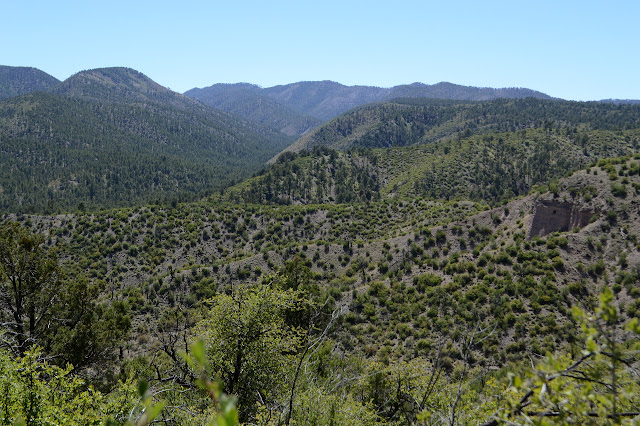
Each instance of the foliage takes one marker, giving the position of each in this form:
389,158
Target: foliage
239,329
488,166
599,387
228,414
15,81
36,392
406,122
31,281
322,176
39,305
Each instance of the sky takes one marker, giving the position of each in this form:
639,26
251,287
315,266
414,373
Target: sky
578,50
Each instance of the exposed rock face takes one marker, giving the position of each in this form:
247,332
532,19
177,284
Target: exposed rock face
551,216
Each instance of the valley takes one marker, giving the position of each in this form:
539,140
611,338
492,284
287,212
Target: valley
420,255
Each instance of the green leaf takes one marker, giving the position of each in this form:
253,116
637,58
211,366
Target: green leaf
198,351
578,314
155,410
606,297
633,326
143,386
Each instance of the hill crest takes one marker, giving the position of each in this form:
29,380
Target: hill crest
16,81
113,137
118,84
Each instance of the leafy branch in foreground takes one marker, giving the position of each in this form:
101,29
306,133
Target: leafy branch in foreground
33,392
600,387
228,414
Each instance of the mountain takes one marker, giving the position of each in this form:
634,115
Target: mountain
15,81
327,99
117,85
248,101
284,106
324,99
444,90
407,121
113,137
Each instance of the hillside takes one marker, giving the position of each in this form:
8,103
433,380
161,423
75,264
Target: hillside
418,121
324,99
15,81
113,137
412,261
118,85
410,277
493,167
444,90
623,101
248,101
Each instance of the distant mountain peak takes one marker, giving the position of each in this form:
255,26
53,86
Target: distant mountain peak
249,101
298,107
118,84
241,85
15,81
114,77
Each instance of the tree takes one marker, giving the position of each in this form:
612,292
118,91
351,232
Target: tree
296,274
250,344
39,305
30,283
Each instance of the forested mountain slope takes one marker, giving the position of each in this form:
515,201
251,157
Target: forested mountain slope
324,99
327,99
444,90
113,137
492,167
15,81
418,121
249,101
622,101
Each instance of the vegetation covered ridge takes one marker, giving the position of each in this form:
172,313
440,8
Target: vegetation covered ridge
401,311
493,167
16,81
418,121
113,137
324,100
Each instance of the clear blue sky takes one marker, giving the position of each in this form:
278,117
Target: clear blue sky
580,50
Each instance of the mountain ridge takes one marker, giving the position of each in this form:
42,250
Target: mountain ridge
409,121
15,81
246,100
120,84
325,100
112,137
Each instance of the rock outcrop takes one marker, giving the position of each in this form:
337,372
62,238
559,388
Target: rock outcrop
551,216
